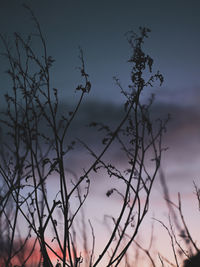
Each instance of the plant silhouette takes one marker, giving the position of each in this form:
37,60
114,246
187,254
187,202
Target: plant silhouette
194,261
38,147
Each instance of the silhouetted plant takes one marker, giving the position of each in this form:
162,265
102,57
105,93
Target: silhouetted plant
193,261
184,246
38,146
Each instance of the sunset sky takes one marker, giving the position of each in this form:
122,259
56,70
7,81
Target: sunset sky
98,27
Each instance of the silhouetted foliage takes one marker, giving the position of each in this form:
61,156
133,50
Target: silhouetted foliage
38,148
184,245
194,261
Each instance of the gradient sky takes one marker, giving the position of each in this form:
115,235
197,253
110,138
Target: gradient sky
99,27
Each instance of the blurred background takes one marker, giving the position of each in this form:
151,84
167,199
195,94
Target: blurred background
99,28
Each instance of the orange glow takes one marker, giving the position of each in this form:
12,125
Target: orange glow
33,260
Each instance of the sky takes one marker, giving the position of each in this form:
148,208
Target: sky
98,27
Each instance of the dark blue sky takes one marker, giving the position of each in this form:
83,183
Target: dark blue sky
99,27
